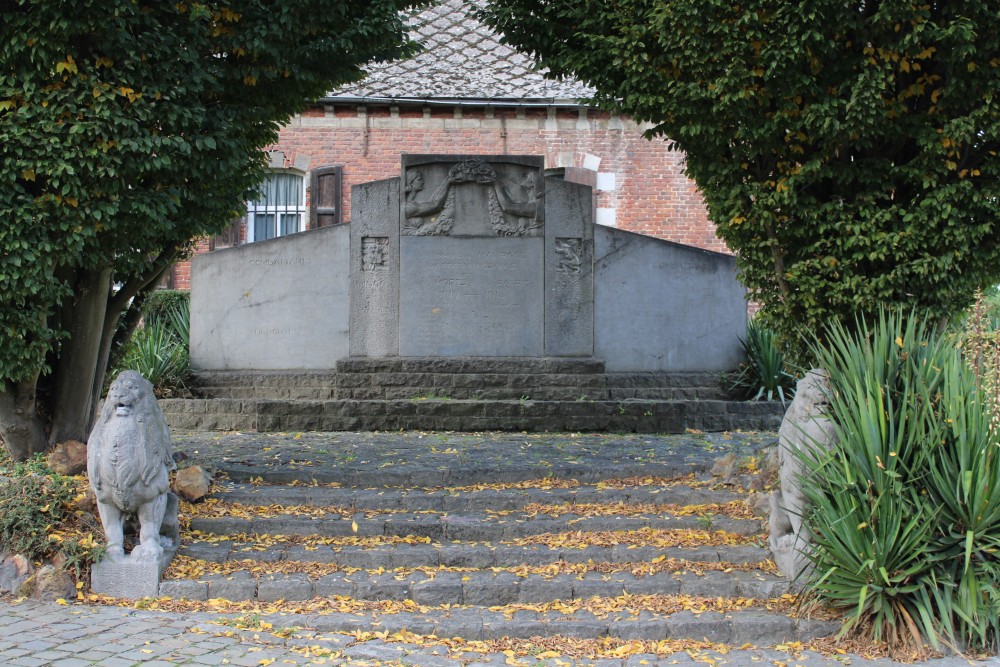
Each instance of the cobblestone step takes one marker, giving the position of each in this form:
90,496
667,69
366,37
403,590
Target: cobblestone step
754,627
482,556
408,537
480,589
362,476
459,500
470,527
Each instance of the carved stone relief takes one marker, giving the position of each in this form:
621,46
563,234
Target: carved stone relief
433,216
374,253
570,253
509,198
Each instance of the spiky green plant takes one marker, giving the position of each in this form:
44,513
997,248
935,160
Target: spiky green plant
906,505
765,374
156,352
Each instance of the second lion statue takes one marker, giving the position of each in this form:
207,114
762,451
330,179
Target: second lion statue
129,457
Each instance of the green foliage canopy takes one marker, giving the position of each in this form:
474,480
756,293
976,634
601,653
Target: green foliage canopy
847,151
130,127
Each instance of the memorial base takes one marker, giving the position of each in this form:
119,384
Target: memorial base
129,579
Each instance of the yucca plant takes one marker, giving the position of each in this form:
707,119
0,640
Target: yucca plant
764,375
156,352
906,505
179,320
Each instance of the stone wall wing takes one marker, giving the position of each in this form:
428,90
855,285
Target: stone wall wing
279,304
661,306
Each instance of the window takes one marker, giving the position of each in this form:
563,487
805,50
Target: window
279,210
324,196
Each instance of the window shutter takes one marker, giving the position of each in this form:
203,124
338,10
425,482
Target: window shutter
324,200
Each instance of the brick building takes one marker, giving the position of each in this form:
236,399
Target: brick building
466,93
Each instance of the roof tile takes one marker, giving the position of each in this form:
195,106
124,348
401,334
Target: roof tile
462,59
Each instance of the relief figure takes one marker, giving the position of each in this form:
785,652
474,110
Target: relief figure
428,217
515,217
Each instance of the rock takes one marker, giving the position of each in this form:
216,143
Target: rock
726,468
805,428
14,571
49,584
192,483
87,503
761,503
68,458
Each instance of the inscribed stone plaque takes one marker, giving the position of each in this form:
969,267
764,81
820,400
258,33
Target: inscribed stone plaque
462,296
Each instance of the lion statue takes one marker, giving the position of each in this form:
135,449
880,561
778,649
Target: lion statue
806,427
129,457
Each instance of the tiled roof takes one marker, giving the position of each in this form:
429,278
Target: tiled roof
462,59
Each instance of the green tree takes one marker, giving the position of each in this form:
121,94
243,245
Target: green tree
128,128
847,151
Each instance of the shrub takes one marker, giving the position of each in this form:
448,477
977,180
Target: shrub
906,506
160,303
37,518
764,375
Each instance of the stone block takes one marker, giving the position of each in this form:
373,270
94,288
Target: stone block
487,590
128,579
762,629
709,625
184,589
643,317
291,588
650,630
335,585
445,588
236,587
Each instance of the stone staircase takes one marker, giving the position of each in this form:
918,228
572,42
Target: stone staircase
553,394
492,556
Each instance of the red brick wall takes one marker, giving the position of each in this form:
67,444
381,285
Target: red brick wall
650,194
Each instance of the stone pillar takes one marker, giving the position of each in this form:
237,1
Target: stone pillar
374,274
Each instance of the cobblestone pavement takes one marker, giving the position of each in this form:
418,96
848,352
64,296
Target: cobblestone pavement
434,458
36,634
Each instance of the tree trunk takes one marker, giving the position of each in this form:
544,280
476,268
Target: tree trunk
129,299
21,427
83,317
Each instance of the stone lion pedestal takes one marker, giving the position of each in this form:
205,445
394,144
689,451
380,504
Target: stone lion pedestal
129,457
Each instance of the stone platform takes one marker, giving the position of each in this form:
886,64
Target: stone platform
466,394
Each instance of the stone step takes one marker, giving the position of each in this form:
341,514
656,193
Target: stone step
757,627
467,527
445,388
362,475
435,414
458,500
482,588
622,649
478,556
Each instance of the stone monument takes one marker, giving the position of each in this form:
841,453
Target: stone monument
489,264
129,456
805,429
467,257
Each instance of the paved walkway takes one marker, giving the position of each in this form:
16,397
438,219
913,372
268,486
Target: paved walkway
34,634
